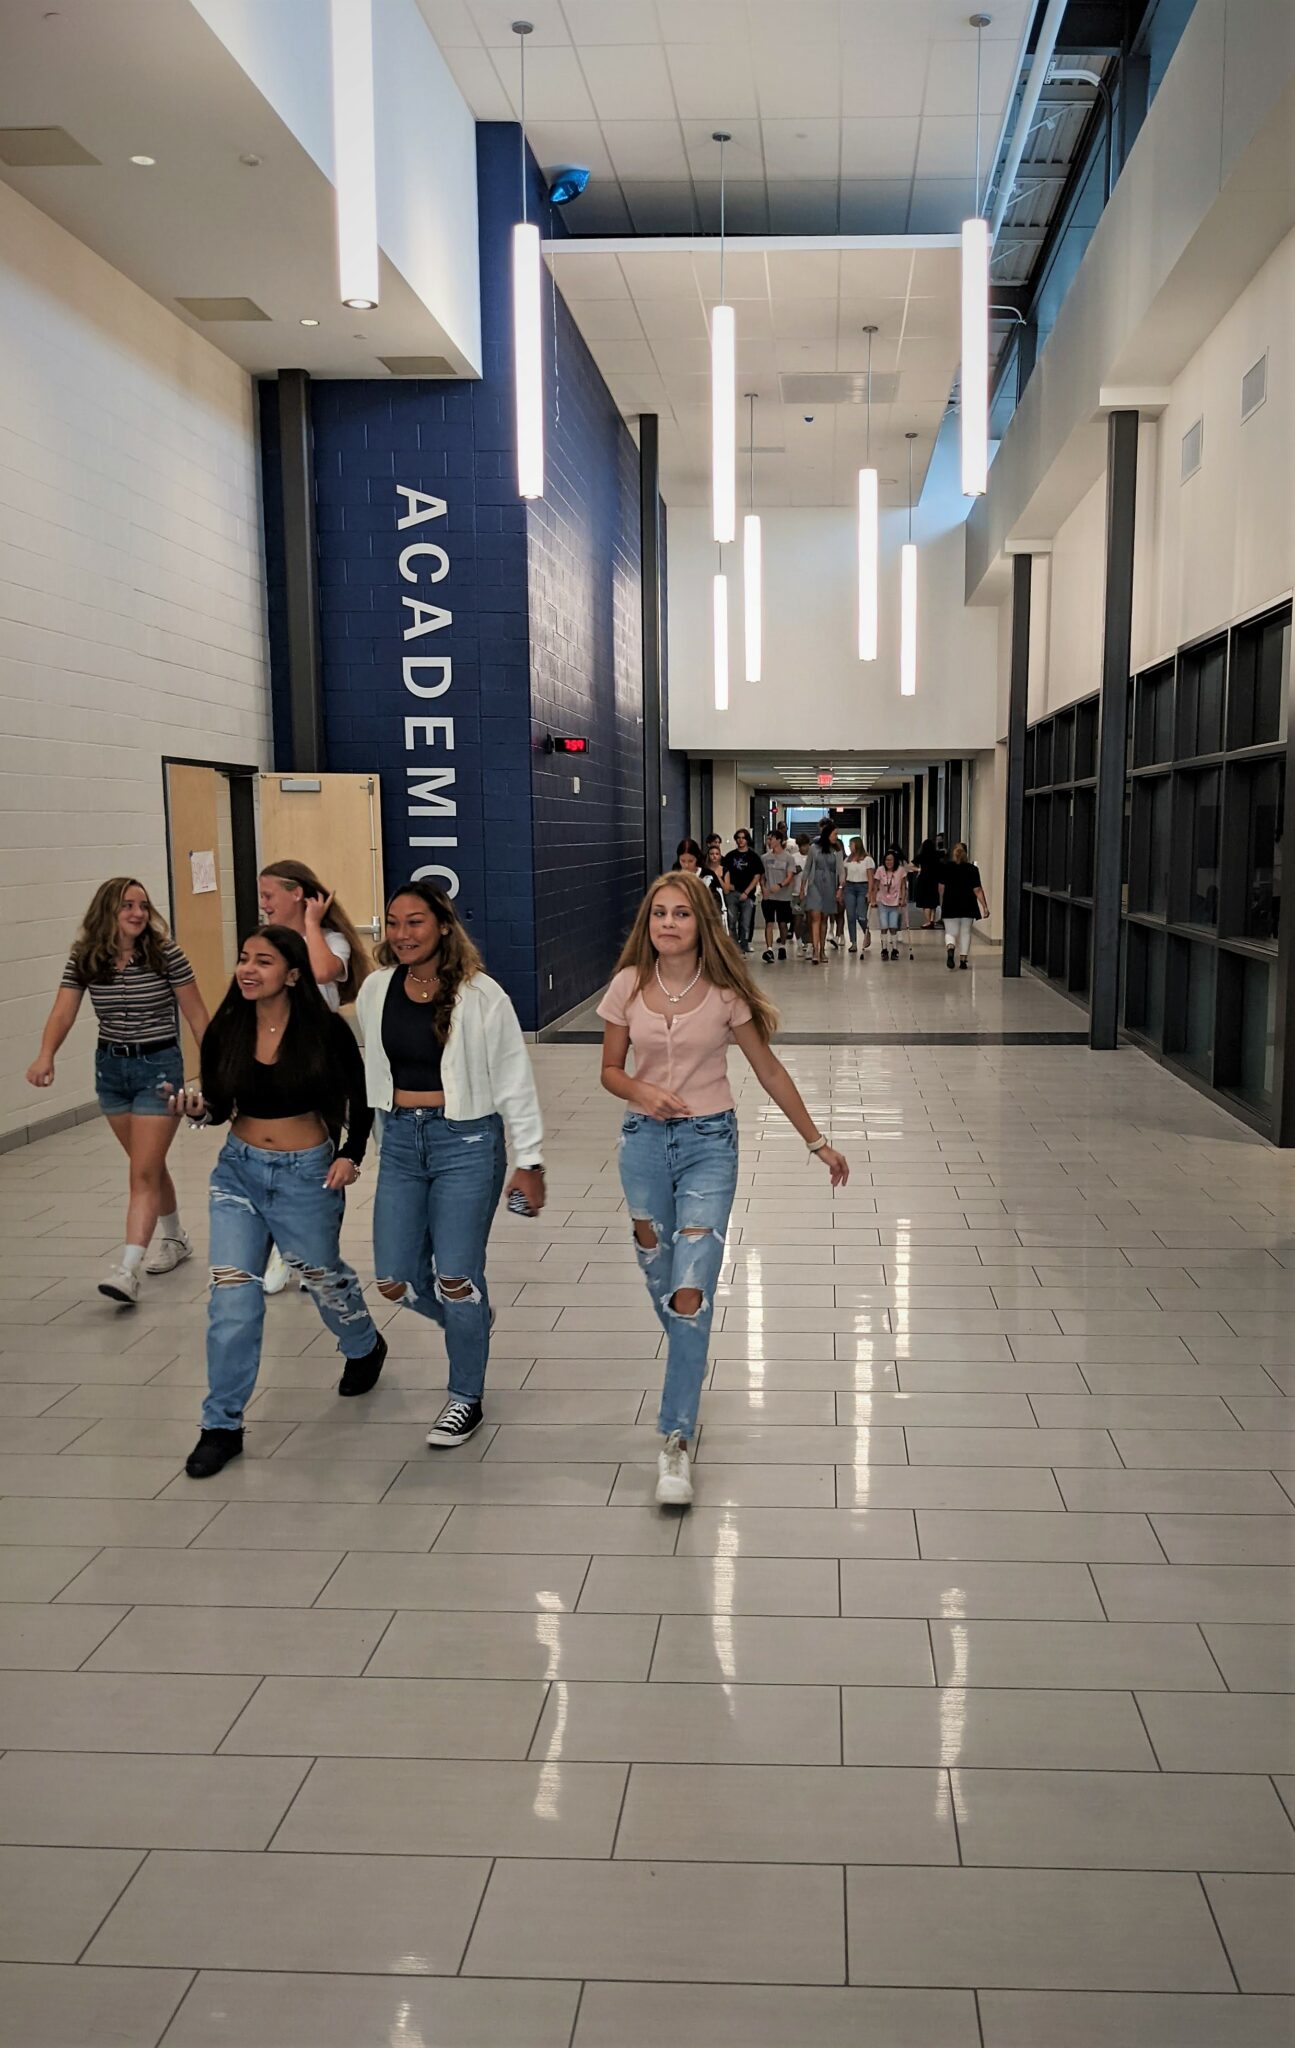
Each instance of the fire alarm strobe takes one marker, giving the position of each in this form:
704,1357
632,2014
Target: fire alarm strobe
566,743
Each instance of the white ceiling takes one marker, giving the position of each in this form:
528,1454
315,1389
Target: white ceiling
847,116
644,308
130,77
853,775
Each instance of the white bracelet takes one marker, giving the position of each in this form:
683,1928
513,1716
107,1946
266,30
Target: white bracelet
819,1145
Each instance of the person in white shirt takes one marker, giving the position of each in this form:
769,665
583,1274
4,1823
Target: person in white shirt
858,884
445,1060
292,894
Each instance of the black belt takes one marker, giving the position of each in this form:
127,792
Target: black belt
133,1049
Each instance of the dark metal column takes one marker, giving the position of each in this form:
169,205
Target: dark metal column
301,573
905,816
650,588
932,800
953,802
1017,718
1117,628
919,791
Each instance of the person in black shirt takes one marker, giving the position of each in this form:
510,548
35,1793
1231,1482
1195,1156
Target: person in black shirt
688,860
742,871
962,903
287,1074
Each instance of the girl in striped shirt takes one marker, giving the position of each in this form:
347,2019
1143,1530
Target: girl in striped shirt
138,979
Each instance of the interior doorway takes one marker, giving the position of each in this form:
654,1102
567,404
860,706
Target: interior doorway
334,824
211,869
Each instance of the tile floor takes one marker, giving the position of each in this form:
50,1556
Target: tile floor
955,1715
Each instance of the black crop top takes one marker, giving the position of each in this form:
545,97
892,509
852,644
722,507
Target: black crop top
275,1092
413,1050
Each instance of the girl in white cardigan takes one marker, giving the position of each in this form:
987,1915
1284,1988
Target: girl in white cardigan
445,1059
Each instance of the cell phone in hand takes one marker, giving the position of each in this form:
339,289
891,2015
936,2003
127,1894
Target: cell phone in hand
518,1204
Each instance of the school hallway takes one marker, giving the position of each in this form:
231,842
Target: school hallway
954,1711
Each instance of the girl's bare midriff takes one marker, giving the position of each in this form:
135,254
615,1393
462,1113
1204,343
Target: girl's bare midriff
408,1098
280,1133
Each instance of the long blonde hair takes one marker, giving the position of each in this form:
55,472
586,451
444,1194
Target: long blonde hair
358,968
458,960
721,963
97,944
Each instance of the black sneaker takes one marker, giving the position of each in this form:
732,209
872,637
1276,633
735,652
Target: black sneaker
360,1375
767,953
948,957
213,1451
782,952
457,1421
962,963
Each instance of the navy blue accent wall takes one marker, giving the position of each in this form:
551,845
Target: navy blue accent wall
275,583
674,766
535,609
586,676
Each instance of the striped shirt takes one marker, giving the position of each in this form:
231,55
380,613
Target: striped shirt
137,1007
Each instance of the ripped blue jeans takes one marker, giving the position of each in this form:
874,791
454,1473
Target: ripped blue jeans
679,1180
259,1198
439,1183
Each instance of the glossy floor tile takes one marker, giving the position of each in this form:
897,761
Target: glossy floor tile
955,1714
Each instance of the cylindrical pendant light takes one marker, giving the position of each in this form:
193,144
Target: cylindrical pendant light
752,568
908,596
868,536
355,175
719,597
528,347
975,324
723,391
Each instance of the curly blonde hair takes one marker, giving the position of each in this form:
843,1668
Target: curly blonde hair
721,963
457,961
96,945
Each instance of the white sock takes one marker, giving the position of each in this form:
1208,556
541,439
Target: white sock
132,1257
171,1226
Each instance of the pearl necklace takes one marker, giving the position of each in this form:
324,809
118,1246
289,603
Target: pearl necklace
683,991
420,982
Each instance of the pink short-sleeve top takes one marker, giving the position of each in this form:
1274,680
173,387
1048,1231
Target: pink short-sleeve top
686,1053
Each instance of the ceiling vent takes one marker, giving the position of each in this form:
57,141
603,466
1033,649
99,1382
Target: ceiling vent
417,366
1254,386
41,148
1193,442
839,387
223,309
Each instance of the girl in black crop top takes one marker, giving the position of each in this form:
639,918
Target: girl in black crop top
287,1074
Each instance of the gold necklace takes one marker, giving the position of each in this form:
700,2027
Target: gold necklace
422,982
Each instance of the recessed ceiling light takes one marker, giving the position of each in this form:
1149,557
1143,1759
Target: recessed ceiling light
310,323
145,160
361,305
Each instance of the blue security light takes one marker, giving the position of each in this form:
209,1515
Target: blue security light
567,182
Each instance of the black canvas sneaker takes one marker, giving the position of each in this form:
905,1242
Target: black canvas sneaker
457,1421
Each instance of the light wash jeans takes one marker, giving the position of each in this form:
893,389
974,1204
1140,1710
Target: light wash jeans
439,1184
260,1198
856,908
681,1176
741,917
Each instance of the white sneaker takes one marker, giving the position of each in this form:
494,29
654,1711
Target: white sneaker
674,1478
168,1253
119,1283
276,1272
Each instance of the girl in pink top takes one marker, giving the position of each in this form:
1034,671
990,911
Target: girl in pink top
681,995
890,894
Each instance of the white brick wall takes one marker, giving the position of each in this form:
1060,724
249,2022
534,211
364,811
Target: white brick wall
132,601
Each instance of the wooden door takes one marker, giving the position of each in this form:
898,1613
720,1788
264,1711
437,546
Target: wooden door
201,880
334,824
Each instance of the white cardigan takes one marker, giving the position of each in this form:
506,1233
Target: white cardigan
485,1066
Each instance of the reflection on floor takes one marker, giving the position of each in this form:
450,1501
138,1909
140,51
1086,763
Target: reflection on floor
952,1713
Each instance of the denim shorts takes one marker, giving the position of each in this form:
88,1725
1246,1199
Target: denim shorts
129,1084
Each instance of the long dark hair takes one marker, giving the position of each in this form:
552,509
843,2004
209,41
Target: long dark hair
689,846
308,1046
457,961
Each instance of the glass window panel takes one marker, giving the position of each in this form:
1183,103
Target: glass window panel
1258,1031
1144,1003
1086,741
1063,748
1081,843
1189,1021
1029,759
1059,859
1057,942
1257,686
1200,699
1153,733
1080,927
1043,755
1149,846
1263,791
1042,816
1200,797
1162,700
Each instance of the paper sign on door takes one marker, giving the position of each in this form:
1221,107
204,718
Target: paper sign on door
202,872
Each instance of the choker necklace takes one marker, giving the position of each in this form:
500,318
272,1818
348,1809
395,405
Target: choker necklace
420,981
683,991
